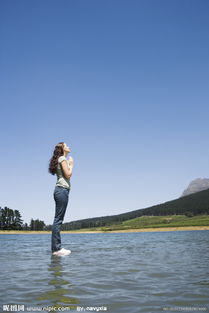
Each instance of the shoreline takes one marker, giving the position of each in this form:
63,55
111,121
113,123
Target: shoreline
180,228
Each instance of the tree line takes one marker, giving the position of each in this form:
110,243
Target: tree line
12,220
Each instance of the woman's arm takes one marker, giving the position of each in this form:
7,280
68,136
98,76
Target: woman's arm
67,170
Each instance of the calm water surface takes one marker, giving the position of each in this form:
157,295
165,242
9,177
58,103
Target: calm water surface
124,272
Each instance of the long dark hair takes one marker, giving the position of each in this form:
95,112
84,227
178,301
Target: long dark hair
58,151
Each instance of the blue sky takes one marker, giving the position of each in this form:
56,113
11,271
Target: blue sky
123,83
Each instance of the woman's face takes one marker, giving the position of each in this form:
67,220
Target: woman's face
66,148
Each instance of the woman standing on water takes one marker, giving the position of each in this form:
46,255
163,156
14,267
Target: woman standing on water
63,168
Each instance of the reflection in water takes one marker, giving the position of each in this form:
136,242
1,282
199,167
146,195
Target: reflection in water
62,287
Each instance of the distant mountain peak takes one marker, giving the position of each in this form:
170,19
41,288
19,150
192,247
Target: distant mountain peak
196,185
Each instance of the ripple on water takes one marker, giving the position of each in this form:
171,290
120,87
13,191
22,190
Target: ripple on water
138,272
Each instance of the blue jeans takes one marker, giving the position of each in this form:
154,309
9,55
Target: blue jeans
61,196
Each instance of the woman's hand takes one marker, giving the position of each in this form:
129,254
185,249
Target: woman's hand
71,161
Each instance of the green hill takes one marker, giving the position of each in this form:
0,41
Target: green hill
161,221
186,209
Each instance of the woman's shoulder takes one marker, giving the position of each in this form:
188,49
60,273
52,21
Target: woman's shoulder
61,158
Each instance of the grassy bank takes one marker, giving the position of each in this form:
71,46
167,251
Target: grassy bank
87,231
167,221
